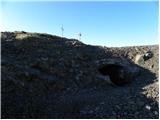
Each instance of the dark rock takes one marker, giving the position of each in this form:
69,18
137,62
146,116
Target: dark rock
148,55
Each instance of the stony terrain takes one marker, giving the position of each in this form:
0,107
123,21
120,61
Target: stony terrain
46,76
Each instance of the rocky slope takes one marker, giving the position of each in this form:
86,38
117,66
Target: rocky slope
46,76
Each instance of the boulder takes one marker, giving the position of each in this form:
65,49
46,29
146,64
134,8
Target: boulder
147,55
139,59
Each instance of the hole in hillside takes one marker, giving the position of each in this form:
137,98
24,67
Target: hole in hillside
115,72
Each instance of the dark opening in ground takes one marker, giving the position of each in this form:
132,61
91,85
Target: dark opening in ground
115,72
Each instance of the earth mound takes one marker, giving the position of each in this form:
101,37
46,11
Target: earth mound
46,76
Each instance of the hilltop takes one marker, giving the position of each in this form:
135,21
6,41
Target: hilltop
47,76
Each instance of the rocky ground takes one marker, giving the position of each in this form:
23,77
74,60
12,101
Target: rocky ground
46,76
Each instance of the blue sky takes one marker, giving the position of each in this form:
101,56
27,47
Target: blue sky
101,23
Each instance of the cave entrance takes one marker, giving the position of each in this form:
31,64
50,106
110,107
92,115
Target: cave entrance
115,72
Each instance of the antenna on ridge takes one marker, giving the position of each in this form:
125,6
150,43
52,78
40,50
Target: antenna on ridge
62,29
79,36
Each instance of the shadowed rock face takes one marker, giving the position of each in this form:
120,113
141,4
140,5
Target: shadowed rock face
45,76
